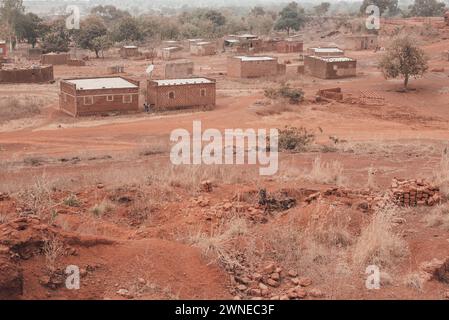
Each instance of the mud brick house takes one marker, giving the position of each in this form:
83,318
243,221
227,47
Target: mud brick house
129,51
191,42
171,53
325,52
3,49
33,74
34,54
254,67
179,69
361,42
181,93
330,67
91,96
55,58
290,45
270,44
204,48
243,43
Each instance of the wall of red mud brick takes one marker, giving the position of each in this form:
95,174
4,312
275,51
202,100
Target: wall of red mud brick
252,69
72,102
184,96
29,75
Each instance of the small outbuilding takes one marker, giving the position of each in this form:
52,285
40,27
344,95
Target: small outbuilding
171,53
96,96
204,48
362,42
3,49
290,45
181,93
129,52
330,67
254,66
55,58
325,52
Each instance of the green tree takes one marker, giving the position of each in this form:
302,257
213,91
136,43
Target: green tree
58,38
91,28
390,6
403,58
257,11
290,18
102,43
127,29
10,12
427,8
30,27
109,13
322,8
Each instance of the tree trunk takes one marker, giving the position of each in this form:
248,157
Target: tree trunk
96,54
405,82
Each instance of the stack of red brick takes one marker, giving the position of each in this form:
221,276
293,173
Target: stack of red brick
414,192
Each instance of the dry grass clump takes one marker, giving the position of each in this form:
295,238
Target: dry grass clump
327,172
217,244
36,198
438,217
16,108
273,109
52,250
378,244
329,226
102,208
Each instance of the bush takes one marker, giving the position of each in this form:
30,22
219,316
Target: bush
295,96
295,139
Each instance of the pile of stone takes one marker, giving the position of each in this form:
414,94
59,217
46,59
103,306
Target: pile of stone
414,192
272,282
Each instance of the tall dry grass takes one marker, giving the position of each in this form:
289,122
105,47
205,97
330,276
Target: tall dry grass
378,244
327,172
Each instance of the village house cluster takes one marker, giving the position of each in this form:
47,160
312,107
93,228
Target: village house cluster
181,85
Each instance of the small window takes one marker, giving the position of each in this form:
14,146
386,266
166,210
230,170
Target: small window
110,98
171,95
127,98
88,100
203,92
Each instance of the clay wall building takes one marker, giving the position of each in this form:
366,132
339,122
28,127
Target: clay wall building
330,67
181,93
203,48
254,66
102,95
33,74
325,52
362,42
289,46
171,53
3,49
55,58
129,52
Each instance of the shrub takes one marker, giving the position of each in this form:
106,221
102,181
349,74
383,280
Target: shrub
295,139
295,96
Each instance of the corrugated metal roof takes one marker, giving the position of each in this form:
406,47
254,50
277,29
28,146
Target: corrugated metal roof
327,49
249,58
333,59
101,83
177,82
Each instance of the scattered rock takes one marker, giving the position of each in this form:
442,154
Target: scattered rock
305,282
